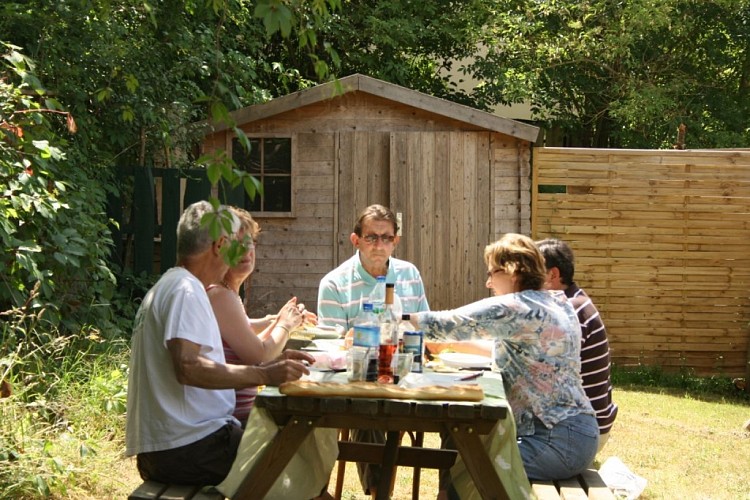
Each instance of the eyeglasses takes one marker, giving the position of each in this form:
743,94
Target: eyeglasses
374,238
494,271
249,243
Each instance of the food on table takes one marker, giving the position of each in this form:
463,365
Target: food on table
459,392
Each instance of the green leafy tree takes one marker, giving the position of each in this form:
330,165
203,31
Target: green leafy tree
50,213
413,44
623,74
136,75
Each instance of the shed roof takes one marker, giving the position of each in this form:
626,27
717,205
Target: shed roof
380,88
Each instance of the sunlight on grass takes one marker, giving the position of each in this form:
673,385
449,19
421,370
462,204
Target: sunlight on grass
685,447
69,442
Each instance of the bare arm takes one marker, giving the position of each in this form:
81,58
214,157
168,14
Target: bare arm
480,347
237,332
193,369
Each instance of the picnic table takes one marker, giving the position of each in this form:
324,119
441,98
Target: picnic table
291,442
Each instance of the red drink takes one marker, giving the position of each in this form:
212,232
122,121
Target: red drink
385,356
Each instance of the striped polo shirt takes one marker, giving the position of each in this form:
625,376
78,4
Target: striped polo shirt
595,364
342,291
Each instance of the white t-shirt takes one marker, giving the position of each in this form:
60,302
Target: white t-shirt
163,413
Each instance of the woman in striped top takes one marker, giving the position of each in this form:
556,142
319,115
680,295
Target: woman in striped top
249,341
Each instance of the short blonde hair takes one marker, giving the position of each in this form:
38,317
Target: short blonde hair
247,223
517,255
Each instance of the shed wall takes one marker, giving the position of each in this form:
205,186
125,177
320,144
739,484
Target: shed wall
455,184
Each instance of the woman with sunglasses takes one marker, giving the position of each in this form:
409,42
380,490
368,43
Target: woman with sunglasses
536,342
250,341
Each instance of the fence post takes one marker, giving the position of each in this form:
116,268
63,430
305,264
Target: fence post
170,216
143,222
197,186
114,214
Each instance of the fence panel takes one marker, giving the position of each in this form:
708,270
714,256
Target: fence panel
147,210
661,241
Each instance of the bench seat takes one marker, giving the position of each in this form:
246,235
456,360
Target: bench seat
588,485
152,490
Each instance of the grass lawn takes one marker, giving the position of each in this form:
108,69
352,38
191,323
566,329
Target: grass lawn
686,448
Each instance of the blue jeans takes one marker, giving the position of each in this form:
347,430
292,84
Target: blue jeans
561,452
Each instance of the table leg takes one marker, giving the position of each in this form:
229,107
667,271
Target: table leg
479,465
277,455
388,467
418,442
343,436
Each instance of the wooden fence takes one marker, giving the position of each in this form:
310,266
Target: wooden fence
155,198
662,244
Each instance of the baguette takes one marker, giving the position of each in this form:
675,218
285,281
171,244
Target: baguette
458,392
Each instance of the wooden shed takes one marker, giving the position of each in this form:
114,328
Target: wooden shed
456,176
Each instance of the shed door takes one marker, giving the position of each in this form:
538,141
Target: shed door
440,182
362,172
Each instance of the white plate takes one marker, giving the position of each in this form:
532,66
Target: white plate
329,332
328,344
323,332
462,360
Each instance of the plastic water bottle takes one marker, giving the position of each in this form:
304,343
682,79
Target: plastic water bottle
367,336
378,295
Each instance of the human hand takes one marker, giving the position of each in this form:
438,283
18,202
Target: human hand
349,338
284,369
290,316
296,355
307,316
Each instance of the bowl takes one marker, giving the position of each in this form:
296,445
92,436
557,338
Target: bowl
297,343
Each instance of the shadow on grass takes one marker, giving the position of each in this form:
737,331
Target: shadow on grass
714,389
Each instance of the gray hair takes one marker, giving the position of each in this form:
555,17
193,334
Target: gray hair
194,236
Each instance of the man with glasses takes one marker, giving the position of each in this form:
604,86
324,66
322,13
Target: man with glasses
342,291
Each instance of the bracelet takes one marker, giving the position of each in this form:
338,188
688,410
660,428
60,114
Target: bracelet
286,330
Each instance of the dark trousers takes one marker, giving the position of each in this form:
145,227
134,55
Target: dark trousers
204,462
369,474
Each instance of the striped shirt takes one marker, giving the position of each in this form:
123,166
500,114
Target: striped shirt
342,291
245,397
595,363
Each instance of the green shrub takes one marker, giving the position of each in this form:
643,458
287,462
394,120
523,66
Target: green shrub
65,418
53,226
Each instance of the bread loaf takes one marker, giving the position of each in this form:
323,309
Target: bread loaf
458,392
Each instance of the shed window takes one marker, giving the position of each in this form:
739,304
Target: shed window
270,161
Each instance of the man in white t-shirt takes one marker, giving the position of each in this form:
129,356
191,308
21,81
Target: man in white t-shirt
180,391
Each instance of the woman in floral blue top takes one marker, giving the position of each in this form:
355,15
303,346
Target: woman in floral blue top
537,349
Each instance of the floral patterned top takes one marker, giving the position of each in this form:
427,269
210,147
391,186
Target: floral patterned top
537,349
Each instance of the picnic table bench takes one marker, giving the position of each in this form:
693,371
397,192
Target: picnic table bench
152,490
587,485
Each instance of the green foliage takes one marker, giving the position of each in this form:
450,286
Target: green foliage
54,237
624,74
413,44
66,411
132,105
